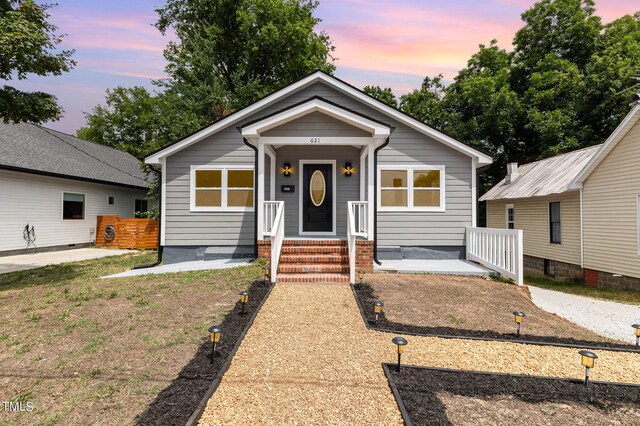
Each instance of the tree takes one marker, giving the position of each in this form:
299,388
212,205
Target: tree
426,104
28,44
230,53
383,95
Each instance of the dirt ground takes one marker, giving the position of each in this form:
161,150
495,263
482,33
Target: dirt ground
434,397
468,305
86,350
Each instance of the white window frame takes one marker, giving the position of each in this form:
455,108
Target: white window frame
506,216
549,223
84,207
114,200
410,170
223,208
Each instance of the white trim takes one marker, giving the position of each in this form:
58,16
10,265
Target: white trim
163,203
581,233
474,192
84,207
483,159
618,134
334,174
410,170
638,221
315,105
224,168
313,141
272,172
506,216
363,169
549,222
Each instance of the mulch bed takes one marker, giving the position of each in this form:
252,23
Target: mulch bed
365,297
431,396
177,403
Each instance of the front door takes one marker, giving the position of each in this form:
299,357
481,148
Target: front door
317,198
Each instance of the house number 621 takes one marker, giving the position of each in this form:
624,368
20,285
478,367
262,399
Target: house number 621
314,140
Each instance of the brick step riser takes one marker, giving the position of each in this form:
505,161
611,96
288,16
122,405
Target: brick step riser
313,269
334,250
289,243
315,279
309,260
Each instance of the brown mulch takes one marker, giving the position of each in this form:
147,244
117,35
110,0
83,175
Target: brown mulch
467,306
435,397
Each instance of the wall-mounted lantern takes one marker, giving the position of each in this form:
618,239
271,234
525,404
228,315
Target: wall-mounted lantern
348,170
287,170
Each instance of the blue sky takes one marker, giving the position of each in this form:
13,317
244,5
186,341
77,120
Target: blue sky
386,43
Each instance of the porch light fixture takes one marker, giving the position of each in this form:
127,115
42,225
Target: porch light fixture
214,336
348,170
519,319
400,342
588,362
244,298
287,170
636,331
377,309
360,275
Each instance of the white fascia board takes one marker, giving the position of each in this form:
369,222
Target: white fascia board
316,105
620,132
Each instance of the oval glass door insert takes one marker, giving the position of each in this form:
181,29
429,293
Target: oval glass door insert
317,188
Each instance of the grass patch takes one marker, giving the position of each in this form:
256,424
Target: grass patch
622,296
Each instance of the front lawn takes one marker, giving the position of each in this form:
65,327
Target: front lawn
622,296
86,350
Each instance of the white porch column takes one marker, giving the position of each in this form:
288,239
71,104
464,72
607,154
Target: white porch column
260,207
370,193
363,169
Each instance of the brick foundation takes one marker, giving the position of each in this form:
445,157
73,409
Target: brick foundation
534,266
364,255
608,280
264,249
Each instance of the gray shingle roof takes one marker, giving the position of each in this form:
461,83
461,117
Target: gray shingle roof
545,177
27,146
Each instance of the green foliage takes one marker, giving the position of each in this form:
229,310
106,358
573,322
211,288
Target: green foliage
425,103
28,44
383,95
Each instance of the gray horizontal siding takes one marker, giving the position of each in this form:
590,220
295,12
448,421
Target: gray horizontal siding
317,124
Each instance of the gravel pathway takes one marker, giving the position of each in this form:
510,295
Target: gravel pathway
609,319
309,359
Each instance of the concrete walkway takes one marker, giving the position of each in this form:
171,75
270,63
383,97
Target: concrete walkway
609,319
196,265
309,359
441,266
23,262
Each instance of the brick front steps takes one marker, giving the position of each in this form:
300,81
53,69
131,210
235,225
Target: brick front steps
314,261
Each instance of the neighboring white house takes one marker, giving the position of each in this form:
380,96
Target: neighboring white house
580,212
53,185
303,173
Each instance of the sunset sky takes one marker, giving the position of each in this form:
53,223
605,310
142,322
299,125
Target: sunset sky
385,43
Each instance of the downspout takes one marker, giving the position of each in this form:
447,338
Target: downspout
159,259
255,199
375,200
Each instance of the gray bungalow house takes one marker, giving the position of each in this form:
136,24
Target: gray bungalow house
321,179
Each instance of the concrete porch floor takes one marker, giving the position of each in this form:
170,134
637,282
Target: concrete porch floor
433,266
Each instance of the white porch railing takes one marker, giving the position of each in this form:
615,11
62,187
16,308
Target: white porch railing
356,227
498,249
274,229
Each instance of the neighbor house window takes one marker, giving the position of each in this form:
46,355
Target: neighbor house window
411,188
510,216
222,188
141,205
555,228
72,206
111,200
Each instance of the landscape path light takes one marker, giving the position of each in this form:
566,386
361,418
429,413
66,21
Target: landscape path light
265,272
636,331
361,275
588,362
400,342
377,309
214,336
519,315
244,298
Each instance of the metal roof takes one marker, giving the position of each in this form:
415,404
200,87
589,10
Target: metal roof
28,147
545,177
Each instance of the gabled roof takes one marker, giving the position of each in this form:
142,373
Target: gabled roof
545,177
623,128
30,148
319,76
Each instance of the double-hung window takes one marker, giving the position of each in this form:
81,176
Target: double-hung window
510,216
222,188
419,188
555,226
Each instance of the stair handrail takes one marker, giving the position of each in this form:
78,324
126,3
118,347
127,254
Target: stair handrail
276,234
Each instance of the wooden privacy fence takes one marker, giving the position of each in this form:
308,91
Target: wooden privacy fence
127,233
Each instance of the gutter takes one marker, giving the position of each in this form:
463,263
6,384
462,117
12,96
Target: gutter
160,248
375,200
255,199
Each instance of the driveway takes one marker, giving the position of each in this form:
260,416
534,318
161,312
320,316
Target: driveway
23,262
